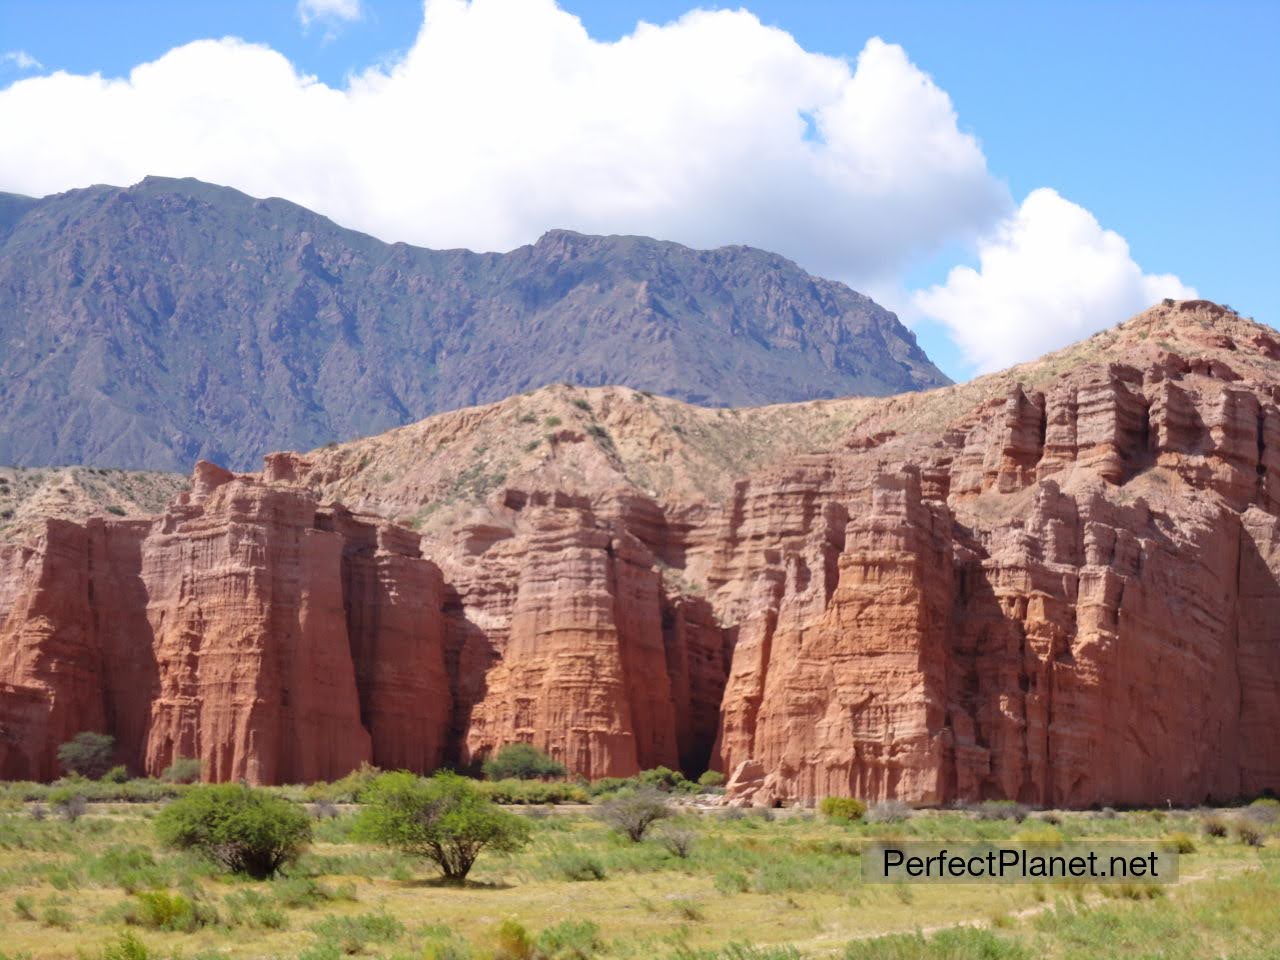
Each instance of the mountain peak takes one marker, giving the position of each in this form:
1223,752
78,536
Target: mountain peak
192,323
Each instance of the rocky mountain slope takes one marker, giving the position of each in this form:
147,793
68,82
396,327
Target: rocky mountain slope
174,320
1057,584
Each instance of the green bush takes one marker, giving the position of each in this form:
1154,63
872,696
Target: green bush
711,778
160,910
842,808
117,774
578,865
511,941
182,770
1181,843
244,830
444,819
634,810
126,947
533,792
346,790
522,761
87,754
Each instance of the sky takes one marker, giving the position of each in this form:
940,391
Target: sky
1007,176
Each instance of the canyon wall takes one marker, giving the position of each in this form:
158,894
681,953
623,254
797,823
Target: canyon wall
1065,594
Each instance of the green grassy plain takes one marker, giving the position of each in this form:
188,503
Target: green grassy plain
751,888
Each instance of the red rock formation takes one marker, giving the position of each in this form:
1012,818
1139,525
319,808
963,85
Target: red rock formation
245,626
1063,590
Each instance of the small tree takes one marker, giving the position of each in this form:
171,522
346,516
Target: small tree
522,761
444,819
634,811
245,830
87,754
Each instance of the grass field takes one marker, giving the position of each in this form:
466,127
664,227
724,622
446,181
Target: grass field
750,887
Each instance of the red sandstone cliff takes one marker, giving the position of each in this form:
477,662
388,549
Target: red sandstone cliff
1060,584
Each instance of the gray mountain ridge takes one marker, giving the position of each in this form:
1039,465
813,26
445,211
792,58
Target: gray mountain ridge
149,326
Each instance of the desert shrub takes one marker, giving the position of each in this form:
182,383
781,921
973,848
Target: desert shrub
345,790
38,811
1042,833
842,808
1250,834
1180,843
160,910
677,841
1214,826
889,811
522,761
444,819
552,421
1265,810
56,915
568,940
295,892
533,792
1001,810
244,830
324,810
1052,818
68,803
350,934
634,810
665,779
182,770
24,907
126,947
578,865
582,405
87,754
117,774
711,778
511,941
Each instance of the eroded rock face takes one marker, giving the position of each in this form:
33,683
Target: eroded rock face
1065,592
271,639
1071,600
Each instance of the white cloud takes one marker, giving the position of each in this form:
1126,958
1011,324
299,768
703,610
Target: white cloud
505,119
1047,276
328,11
20,59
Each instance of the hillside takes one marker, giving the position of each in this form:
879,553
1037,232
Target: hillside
175,320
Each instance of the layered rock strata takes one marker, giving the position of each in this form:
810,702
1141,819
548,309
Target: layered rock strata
1064,590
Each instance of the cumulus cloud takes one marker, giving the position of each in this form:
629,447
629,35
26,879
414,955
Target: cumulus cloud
20,59
1047,276
328,11
505,118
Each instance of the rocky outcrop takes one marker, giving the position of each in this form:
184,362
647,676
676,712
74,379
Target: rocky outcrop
1081,611
246,627
1064,590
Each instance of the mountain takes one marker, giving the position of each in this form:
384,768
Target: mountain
1058,584
174,320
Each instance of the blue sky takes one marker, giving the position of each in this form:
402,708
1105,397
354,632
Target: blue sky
1162,120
